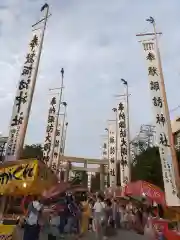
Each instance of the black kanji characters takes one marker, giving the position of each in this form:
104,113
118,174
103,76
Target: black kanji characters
160,119
53,101
112,160
121,107
58,132
125,180
123,133
21,99
112,150
123,162
30,58
148,46
57,143
123,151
52,110
51,119
104,153
123,142
24,84
122,124
163,140
17,120
157,101
34,42
152,71
111,139
48,138
105,145
50,128
150,56
112,172
47,146
121,116
154,85
27,70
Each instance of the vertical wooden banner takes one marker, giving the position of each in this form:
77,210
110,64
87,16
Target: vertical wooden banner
50,130
25,90
112,152
157,99
105,157
123,144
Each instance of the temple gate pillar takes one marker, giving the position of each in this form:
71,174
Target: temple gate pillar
102,177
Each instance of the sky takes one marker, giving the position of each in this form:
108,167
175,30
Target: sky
96,44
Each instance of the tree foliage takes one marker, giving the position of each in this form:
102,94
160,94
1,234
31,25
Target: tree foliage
148,167
80,178
32,151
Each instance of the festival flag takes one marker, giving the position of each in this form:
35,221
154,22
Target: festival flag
57,144
112,152
123,144
161,123
25,90
50,130
105,157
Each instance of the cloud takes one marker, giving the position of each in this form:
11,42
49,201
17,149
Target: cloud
95,42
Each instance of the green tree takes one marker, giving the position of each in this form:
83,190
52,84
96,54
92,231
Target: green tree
95,182
80,178
32,151
148,167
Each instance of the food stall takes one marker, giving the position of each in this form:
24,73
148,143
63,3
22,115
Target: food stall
19,179
155,195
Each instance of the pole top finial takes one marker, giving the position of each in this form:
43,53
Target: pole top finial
150,19
124,81
62,72
44,6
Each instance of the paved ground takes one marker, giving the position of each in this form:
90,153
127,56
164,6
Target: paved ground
122,235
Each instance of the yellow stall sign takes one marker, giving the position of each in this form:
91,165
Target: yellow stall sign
6,232
17,176
25,177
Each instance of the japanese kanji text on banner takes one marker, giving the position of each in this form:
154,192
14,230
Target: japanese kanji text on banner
50,130
123,144
112,152
150,50
105,156
22,96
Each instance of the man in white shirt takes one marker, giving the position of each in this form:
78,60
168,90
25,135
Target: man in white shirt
32,228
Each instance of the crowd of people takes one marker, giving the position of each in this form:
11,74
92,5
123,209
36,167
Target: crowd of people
77,217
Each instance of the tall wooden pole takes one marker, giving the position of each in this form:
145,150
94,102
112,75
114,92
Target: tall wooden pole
57,118
128,125
62,138
65,135
25,124
163,91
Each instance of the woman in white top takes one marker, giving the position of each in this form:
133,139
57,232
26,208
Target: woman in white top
99,217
